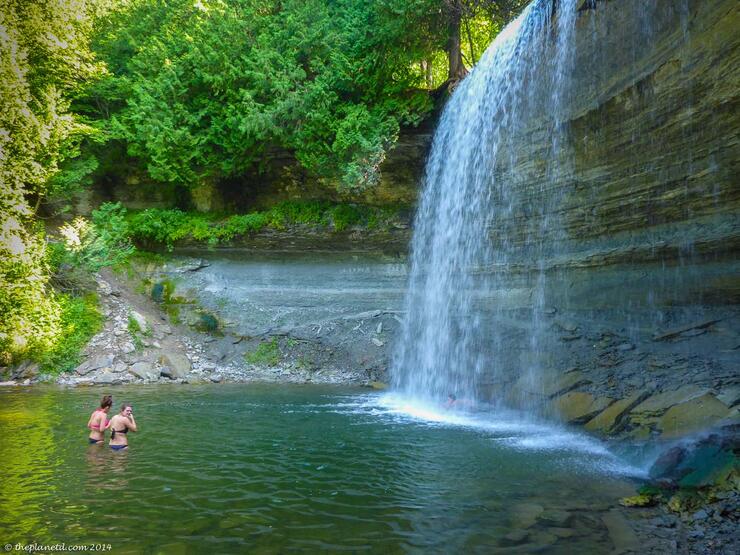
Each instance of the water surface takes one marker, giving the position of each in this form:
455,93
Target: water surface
268,469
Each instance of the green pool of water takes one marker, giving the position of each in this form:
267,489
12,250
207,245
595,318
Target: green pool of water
276,469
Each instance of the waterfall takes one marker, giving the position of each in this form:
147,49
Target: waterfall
449,341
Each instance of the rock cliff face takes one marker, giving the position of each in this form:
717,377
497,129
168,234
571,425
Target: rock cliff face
649,168
633,241
280,178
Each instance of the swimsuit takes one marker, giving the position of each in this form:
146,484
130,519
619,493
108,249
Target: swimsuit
107,421
97,429
113,434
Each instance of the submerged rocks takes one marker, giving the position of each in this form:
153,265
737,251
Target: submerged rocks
555,518
524,515
515,537
621,534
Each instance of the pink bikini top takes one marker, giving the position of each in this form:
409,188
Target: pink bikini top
97,428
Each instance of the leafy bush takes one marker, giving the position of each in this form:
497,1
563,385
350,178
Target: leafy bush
267,353
160,226
80,319
235,226
167,227
344,216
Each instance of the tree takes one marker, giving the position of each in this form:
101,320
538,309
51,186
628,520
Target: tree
470,17
199,91
43,57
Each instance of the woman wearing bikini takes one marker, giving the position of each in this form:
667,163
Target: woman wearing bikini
120,425
99,422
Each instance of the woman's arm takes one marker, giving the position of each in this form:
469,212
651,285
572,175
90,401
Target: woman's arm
132,425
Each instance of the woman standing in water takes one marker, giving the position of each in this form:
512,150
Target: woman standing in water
120,425
98,421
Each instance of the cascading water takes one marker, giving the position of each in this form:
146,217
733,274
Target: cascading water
448,337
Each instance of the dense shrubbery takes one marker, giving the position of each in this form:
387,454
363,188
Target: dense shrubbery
44,57
166,227
199,91
80,319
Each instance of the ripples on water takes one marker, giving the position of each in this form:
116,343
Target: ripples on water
274,469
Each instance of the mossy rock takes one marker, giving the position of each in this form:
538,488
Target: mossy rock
207,322
692,416
640,500
158,292
578,406
684,501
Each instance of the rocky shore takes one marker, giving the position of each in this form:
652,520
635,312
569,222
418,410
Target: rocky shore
140,345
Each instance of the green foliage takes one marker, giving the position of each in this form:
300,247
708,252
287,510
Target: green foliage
86,247
80,319
162,226
267,353
102,242
133,325
199,91
112,230
344,215
44,56
155,226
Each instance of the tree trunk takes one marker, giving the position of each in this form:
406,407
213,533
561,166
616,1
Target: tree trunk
426,67
456,67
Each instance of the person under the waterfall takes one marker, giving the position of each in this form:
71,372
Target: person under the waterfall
120,425
454,403
99,422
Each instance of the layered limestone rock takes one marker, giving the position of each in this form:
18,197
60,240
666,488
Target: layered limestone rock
623,231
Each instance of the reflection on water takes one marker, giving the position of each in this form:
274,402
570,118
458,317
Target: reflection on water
272,469
106,469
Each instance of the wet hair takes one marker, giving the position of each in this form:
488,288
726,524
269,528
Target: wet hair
452,396
124,405
107,402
